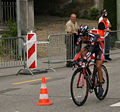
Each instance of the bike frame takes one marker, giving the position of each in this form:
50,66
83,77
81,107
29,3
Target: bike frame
87,73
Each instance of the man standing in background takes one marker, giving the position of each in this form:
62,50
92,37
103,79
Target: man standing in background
106,35
71,27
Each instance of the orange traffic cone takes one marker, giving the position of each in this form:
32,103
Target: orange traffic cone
43,99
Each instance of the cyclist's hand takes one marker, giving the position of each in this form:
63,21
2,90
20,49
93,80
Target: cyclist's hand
74,63
82,61
109,30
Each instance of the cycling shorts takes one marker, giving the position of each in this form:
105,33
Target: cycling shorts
99,53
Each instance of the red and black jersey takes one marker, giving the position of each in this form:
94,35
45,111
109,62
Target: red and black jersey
92,44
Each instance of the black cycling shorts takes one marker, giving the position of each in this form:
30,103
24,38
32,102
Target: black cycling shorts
99,53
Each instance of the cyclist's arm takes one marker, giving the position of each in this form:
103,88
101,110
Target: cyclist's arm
78,51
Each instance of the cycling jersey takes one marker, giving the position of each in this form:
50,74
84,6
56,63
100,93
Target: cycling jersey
94,45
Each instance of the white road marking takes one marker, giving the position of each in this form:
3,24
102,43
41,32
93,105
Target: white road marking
115,105
77,96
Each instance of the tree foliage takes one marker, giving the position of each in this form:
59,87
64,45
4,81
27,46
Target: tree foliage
110,6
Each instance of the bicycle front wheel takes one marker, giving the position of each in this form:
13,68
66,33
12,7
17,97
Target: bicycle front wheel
105,83
79,87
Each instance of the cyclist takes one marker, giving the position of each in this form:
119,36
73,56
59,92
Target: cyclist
93,46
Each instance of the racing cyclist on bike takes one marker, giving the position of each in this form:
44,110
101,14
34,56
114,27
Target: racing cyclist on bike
93,46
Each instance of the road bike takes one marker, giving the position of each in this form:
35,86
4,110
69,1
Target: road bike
85,80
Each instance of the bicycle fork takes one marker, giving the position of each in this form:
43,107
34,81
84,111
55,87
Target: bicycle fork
82,78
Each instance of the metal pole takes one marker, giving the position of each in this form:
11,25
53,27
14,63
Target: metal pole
49,52
19,28
27,11
118,19
1,12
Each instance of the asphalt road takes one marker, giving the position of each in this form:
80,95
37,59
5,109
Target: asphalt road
21,93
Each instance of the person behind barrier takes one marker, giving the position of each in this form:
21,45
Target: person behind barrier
71,27
101,18
94,45
106,35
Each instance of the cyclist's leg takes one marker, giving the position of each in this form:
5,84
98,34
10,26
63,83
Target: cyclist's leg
99,60
99,68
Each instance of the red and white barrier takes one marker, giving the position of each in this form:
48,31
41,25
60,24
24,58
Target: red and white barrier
31,51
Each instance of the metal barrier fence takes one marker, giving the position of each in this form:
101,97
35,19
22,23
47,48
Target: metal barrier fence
8,10
42,56
109,42
61,48
9,53
10,58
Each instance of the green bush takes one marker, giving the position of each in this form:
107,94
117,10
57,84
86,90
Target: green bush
12,29
94,13
76,7
67,10
7,42
110,6
85,14
5,34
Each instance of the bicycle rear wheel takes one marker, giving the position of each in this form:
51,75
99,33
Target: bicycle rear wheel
105,85
79,87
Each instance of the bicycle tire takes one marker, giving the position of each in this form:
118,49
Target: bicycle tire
77,99
106,81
